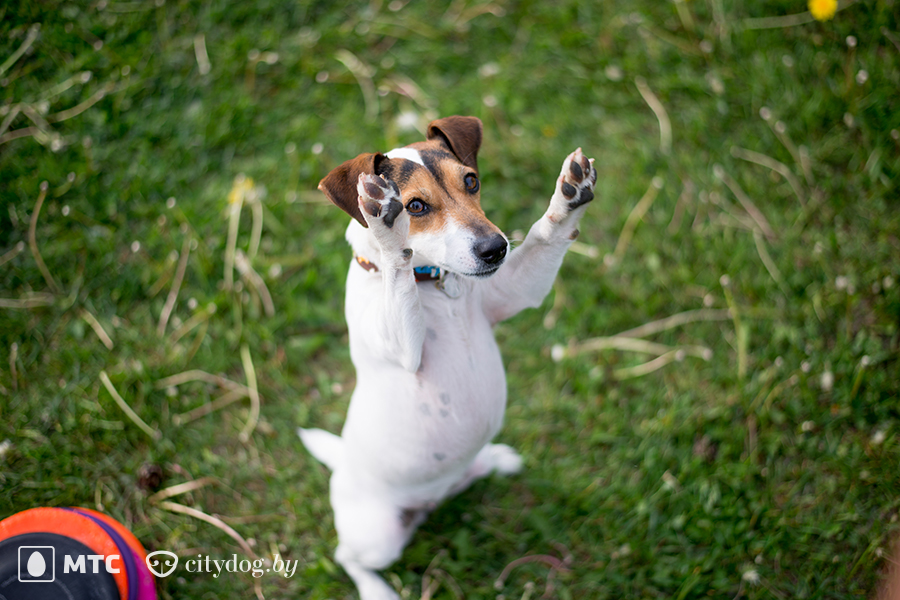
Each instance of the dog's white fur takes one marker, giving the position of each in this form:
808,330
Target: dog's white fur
431,390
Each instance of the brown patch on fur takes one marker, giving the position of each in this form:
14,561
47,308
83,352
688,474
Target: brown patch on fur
461,135
340,185
449,153
441,185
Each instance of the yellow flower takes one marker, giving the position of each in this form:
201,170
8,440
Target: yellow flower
823,10
239,191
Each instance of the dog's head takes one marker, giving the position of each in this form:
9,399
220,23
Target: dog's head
440,189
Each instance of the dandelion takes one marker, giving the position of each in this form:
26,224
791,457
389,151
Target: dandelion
407,121
243,185
489,69
823,10
751,576
827,381
558,352
614,73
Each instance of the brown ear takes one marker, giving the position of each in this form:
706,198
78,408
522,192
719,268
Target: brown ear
462,135
340,185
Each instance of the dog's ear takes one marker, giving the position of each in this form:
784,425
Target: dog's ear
462,135
340,185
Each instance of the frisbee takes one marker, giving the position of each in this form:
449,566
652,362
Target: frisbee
71,553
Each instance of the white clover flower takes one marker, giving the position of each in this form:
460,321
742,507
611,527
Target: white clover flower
407,121
557,352
751,576
489,69
827,381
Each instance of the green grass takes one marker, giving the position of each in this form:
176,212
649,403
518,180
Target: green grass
778,456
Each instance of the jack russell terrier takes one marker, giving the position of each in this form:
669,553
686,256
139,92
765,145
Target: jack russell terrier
429,280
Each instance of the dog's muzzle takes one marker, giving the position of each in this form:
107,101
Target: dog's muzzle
492,250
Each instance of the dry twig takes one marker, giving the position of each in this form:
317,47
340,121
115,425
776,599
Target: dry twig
98,328
29,40
32,239
779,167
636,214
212,520
176,286
181,488
758,217
665,125
153,433
690,316
198,375
554,563
244,436
219,403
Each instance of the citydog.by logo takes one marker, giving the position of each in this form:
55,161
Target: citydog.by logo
285,568
162,567
162,563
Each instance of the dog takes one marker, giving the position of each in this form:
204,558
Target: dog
430,277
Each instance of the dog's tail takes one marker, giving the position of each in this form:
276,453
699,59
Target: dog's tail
326,447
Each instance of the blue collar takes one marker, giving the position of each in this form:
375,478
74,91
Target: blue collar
426,273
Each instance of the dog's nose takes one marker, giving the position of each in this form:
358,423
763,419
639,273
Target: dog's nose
492,250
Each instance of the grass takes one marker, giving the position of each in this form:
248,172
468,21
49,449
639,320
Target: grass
769,469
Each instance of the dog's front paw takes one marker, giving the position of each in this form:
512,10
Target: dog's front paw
379,202
574,187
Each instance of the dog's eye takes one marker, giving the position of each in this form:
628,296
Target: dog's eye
472,183
416,207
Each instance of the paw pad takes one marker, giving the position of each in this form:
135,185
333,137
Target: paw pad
379,197
577,181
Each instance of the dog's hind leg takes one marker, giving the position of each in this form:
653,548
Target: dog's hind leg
372,533
326,447
493,458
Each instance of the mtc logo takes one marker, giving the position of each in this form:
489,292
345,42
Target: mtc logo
78,565
37,563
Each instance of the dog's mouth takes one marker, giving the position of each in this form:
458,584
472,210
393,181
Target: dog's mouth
484,272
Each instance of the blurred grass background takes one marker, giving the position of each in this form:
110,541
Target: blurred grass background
747,159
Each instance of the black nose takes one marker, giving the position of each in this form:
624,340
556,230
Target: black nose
492,250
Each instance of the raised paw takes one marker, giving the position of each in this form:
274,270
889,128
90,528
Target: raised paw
379,198
379,202
577,179
575,185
